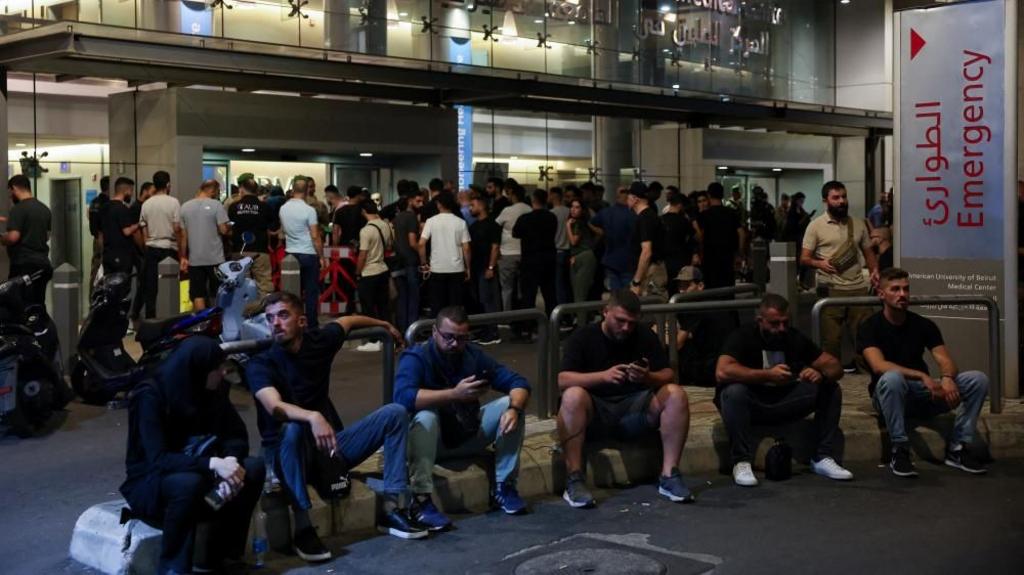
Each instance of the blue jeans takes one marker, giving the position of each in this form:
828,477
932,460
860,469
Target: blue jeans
425,445
408,297
618,280
309,277
388,426
897,397
487,293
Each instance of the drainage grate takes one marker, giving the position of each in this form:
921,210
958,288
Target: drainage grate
603,554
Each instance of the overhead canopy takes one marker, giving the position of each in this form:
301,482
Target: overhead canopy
144,56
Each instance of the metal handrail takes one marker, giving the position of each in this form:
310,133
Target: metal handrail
539,395
717,293
995,359
387,372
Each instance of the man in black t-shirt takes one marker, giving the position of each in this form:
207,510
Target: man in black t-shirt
291,383
647,243
249,214
348,219
721,235
97,209
893,342
536,232
485,241
27,238
616,381
118,227
769,373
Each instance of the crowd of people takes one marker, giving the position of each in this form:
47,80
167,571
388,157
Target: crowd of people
189,459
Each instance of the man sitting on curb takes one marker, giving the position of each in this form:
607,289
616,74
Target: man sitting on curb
893,343
616,381
441,381
291,382
770,373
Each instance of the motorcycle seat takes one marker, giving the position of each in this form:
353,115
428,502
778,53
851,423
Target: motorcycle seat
149,331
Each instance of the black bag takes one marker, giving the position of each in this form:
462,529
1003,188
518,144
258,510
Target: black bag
460,422
329,475
394,262
778,462
202,446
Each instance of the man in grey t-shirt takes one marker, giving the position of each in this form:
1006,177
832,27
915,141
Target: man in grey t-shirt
563,291
203,221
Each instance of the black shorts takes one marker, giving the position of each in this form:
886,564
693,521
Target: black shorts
621,416
203,283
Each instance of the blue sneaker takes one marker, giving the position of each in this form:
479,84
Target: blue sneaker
674,488
507,498
427,514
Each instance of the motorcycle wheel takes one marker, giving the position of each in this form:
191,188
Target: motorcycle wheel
88,387
34,407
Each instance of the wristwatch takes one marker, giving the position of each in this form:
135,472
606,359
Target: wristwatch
634,283
490,268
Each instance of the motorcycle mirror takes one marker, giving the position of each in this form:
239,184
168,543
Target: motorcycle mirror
248,237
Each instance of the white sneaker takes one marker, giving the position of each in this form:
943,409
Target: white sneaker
743,474
829,468
369,346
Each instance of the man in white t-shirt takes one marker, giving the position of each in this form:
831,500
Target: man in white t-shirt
160,220
372,274
448,265
510,250
301,230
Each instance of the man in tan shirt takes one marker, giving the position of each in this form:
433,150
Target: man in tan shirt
824,241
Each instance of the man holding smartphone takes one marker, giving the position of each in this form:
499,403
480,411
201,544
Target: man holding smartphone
769,373
440,382
616,382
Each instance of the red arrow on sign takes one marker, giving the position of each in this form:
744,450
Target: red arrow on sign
916,43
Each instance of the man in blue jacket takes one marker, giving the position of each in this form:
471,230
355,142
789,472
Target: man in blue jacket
441,381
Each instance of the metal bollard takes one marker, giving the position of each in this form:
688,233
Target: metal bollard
168,299
67,288
759,260
290,279
783,274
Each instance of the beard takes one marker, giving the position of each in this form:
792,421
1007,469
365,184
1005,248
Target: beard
838,213
773,341
14,199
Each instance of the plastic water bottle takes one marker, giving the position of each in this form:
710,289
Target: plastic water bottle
259,538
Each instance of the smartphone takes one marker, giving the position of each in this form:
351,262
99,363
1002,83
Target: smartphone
642,363
485,375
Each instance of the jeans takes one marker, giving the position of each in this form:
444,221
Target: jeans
36,294
408,297
563,289
508,274
388,426
151,275
425,445
897,397
743,405
309,278
487,293
618,280
184,507
445,290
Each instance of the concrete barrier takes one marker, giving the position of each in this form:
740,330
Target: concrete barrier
102,543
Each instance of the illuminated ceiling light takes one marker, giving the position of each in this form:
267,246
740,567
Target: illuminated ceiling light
20,145
538,21
366,154
513,157
248,150
844,1
723,167
572,22
403,14
675,86
776,169
725,98
508,25
665,8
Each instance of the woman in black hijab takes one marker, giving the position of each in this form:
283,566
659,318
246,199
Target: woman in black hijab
186,445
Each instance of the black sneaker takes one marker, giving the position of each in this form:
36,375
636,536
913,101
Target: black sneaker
964,460
576,492
308,546
398,523
901,465
850,367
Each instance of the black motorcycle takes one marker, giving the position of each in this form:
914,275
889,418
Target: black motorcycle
102,368
32,383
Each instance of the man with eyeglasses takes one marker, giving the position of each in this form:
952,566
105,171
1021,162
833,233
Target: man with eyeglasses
769,373
291,382
440,382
